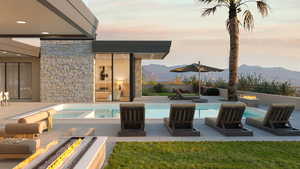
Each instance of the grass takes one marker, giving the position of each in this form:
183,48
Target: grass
205,155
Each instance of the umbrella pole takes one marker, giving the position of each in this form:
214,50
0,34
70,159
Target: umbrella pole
199,71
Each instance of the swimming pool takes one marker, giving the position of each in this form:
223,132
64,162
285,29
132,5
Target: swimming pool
153,111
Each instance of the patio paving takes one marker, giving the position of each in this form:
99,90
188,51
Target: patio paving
155,129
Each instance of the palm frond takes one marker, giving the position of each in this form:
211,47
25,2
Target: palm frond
248,20
207,1
209,11
210,1
263,7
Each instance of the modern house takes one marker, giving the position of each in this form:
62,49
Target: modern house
70,65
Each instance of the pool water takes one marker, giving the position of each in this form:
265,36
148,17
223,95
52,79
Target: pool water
153,111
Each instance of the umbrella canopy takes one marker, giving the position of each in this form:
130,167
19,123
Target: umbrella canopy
196,68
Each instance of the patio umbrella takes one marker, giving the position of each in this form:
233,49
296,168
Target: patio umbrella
196,67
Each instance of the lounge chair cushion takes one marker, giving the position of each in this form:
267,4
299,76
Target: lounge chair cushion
20,128
18,146
34,118
211,121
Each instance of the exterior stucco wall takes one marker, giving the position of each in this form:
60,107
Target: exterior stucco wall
67,71
138,78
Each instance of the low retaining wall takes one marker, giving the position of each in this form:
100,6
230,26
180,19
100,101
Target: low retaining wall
268,99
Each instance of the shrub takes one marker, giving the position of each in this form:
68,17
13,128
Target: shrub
256,83
159,88
212,92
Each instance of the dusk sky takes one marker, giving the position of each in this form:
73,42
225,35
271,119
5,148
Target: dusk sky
275,42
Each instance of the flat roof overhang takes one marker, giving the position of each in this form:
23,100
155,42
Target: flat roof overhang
140,49
11,48
47,19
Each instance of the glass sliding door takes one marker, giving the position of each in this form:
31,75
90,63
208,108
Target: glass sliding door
25,81
2,77
121,77
16,78
112,77
12,80
103,77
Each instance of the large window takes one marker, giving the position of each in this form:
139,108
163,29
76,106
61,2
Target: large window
112,77
16,78
121,78
103,77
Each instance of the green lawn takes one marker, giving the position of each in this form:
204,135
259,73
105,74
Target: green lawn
205,155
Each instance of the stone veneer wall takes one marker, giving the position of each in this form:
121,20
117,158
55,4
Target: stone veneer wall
67,71
138,78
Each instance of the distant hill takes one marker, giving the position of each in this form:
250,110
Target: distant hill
162,73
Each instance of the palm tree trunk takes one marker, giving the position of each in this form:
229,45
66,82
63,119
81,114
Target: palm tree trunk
234,54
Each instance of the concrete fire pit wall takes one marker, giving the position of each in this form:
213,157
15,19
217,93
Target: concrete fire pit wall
67,71
268,99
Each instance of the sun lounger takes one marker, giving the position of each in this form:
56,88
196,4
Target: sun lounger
19,140
179,96
276,120
132,120
180,121
43,118
228,121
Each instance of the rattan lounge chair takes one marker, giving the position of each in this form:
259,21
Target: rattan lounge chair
229,119
180,121
132,120
179,96
276,120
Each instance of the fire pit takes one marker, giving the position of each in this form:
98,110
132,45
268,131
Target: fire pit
71,153
251,101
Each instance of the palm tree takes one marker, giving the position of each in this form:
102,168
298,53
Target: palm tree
234,8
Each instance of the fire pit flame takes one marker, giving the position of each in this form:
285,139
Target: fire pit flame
249,97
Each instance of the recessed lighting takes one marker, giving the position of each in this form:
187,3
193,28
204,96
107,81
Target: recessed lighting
21,22
45,33
4,52
19,55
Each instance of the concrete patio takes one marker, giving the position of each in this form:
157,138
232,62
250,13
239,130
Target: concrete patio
155,128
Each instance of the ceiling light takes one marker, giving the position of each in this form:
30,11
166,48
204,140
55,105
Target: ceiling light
45,33
21,22
19,55
4,52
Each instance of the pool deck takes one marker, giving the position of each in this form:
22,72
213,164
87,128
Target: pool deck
155,128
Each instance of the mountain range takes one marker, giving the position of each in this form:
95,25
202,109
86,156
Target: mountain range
162,73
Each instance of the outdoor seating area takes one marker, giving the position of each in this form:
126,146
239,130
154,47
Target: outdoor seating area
77,93
134,126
